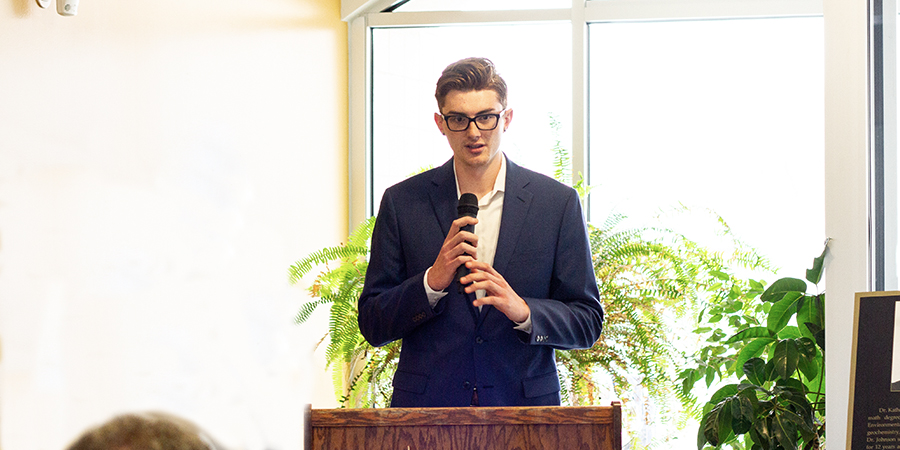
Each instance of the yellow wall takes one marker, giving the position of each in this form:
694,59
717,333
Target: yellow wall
161,165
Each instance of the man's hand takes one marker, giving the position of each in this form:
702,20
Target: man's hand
459,248
498,292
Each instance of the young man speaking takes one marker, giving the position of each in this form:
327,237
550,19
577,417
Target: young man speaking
489,337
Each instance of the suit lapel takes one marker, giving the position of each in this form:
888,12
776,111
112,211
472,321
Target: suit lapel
443,197
516,202
444,201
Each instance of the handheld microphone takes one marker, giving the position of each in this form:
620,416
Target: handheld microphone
468,206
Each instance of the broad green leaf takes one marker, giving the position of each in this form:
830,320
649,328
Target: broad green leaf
720,275
761,433
784,431
818,335
777,290
771,373
752,349
715,422
809,358
755,370
742,414
701,436
750,333
782,311
723,393
750,396
807,347
815,388
740,426
809,367
710,376
809,310
786,358
789,332
725,420
802,418
814,275
792,389
688,383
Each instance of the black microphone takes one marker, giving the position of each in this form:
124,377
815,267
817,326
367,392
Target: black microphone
468,206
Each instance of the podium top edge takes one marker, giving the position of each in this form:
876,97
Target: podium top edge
521,415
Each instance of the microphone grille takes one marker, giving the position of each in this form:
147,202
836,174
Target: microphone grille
468,205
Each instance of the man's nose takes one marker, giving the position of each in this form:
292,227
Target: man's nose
473,129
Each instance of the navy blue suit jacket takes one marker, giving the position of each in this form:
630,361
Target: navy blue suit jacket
448,351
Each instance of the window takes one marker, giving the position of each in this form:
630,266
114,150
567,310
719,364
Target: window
732,123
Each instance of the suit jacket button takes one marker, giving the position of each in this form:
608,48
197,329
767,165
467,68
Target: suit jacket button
479,340
467,385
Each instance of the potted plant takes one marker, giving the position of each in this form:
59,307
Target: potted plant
774,396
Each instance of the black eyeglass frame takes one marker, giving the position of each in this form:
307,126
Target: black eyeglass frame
474,119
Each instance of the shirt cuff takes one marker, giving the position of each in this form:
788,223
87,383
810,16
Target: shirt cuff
524,326
435,296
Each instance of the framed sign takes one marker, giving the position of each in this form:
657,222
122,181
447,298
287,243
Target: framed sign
875,373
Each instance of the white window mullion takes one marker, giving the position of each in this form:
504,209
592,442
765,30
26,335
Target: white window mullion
646,10
359,87
579,92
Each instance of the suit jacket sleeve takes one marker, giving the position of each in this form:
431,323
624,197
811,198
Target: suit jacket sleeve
393,302
571,317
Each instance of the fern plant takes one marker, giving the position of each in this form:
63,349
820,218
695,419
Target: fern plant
361,372
650,280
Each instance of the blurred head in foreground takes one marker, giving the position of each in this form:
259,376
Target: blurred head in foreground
145,431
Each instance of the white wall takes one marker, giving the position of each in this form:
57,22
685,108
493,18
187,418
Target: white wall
161,165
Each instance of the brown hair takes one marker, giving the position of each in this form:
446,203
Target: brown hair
470,74
150,431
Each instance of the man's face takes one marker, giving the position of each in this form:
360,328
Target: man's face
472,146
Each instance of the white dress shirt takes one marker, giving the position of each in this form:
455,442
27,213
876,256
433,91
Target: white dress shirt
490,212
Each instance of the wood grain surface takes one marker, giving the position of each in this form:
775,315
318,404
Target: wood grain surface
513,428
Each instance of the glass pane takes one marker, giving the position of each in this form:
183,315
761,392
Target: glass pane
722,115
407,63
482,5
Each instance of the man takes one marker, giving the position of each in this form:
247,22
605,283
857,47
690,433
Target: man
530,287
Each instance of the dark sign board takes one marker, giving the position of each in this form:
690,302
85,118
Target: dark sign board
875,373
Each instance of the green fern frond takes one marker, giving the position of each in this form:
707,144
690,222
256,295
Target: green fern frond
361,235
307,309
299,269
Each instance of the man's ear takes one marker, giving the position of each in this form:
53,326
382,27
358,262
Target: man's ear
439,121
508,119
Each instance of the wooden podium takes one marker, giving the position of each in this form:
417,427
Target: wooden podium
482,428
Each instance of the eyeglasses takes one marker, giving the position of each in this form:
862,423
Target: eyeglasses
484,122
